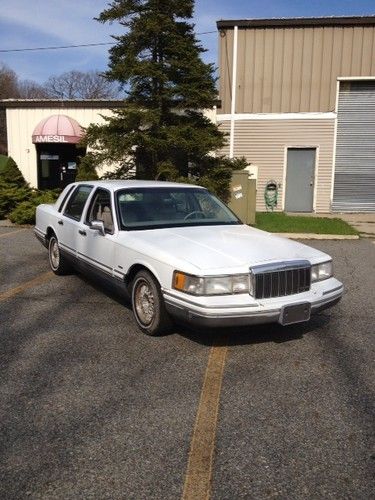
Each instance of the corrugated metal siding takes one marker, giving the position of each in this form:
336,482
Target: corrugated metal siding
354,186
293,69
263,143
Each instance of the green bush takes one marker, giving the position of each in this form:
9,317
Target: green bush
11,196
13,187
24,212
10,173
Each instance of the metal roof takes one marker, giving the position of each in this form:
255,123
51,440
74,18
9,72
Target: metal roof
296,22
58,103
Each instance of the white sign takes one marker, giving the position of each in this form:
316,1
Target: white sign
50,138
49,157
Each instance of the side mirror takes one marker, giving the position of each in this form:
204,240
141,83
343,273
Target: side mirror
98,225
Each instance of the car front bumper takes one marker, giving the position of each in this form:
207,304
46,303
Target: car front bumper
322,296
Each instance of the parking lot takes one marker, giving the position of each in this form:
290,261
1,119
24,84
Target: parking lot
91,408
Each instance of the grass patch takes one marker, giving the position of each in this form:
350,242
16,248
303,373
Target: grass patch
278,222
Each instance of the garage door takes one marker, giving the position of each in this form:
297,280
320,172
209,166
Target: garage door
354,184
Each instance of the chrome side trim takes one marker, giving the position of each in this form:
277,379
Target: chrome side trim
67,249
93,260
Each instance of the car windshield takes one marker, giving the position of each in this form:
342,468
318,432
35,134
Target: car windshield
152,208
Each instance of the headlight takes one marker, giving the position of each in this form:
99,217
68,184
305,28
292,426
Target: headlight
321,272
211,285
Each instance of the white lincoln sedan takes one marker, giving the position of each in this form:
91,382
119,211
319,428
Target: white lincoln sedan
179,253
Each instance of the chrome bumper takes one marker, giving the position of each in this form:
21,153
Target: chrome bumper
223,318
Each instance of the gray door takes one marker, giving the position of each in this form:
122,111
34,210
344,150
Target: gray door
299,196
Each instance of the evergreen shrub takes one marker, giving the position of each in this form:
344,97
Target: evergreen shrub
13,187
24,212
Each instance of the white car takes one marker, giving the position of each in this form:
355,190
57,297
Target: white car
180,253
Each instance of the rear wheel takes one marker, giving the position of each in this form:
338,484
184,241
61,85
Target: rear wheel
57,262
148,305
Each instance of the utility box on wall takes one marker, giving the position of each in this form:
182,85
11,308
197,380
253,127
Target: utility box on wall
243,196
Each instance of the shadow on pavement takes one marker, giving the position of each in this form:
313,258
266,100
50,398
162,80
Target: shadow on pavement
256,334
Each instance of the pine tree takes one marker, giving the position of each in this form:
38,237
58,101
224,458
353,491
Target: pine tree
161,130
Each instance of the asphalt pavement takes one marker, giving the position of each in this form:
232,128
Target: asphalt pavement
92,408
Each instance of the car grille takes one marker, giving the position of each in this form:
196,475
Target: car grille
279,281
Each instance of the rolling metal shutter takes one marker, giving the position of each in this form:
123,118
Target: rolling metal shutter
354,185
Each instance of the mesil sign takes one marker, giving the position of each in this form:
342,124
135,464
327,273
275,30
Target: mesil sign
54,138
57,129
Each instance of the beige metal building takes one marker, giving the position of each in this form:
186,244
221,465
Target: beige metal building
298,101
43,136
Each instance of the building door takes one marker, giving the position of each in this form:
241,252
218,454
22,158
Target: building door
300,174
57,164
354,185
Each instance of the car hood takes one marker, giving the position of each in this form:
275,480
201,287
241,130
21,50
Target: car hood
219,247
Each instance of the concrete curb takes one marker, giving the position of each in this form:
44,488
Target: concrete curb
312,236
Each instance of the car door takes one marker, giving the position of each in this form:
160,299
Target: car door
94,248
69,222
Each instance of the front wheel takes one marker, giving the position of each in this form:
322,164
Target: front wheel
148,305
57,262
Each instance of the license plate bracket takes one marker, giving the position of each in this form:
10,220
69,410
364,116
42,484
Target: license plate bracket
296,313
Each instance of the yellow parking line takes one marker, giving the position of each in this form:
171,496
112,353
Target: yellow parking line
26,285
13,232
199,469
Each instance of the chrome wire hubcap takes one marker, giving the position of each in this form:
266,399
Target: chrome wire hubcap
55,254
144,303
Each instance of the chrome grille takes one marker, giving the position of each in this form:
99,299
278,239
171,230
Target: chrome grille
281,279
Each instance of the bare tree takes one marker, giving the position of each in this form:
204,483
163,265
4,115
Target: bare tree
28,89
80,85
13,88
8,83
8,89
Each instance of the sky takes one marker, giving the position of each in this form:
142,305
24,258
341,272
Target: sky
43,23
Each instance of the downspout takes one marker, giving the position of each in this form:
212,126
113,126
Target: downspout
234,85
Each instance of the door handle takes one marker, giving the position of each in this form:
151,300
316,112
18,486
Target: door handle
60,222
82,232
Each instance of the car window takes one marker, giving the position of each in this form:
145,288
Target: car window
77,201
65,197
101,209
148,208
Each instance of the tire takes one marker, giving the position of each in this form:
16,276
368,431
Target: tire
57,262
148,305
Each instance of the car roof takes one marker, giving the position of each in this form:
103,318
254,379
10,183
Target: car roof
114,185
